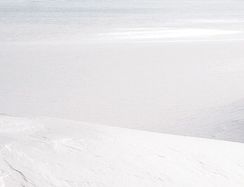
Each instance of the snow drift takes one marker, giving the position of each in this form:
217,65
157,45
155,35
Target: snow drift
54,152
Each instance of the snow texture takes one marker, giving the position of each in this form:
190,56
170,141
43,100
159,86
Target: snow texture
54,152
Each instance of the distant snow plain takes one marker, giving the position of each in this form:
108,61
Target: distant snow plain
181,87
164,66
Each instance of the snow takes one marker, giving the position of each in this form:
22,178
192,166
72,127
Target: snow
173,67
164,66
57,152
157,34
186,88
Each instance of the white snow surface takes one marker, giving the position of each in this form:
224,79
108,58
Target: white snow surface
171,66
185,88
56,152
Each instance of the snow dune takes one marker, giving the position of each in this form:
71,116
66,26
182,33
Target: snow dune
54,152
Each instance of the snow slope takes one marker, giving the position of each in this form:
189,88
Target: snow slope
54,152
224,123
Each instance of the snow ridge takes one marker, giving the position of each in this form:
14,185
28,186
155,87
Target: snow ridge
69,153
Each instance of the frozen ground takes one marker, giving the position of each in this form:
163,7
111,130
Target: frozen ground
54,152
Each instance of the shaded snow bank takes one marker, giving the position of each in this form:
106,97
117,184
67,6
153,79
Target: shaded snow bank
223,123
54,152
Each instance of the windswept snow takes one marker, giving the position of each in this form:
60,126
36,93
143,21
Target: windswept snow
54,152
